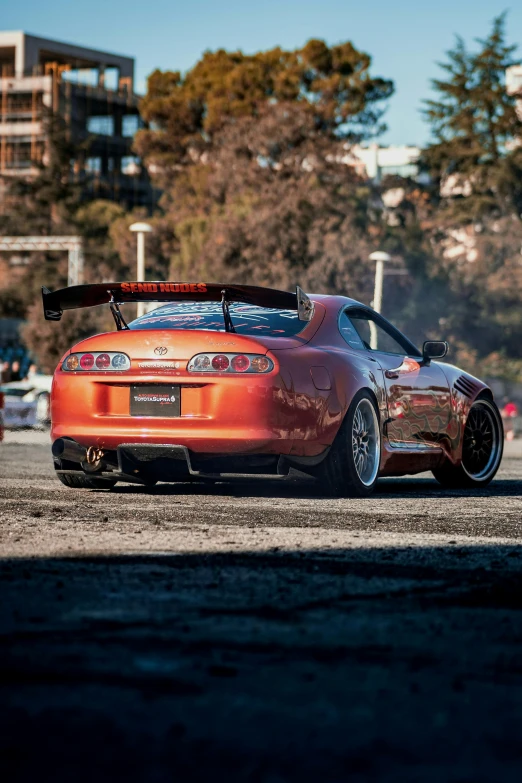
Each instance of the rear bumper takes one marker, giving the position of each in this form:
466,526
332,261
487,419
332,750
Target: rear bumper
143,463
197,438
146,463
225,415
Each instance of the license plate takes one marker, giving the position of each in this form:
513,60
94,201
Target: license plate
155,400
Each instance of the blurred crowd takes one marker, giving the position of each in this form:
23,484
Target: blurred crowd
15,361
11,372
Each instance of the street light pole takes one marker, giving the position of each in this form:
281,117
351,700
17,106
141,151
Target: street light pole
140,229
140,246
379,257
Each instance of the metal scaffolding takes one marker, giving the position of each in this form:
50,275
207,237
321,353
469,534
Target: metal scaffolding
73,245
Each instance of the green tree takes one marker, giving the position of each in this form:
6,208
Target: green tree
46,203
42,205
474,224
475,128
332,84
249,149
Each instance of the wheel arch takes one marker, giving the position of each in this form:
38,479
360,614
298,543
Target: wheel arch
339,470
375,400
486,394
453,473
350,398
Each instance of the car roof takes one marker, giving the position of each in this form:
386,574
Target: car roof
335,300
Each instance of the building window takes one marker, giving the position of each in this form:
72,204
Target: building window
111,78
18,155
130,165
87,76
93,165
130,125
405,170
101,126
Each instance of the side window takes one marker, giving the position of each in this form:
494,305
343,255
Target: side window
349,333
360,331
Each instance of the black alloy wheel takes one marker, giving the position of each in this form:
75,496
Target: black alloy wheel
482,448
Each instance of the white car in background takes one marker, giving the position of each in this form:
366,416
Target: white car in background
26,403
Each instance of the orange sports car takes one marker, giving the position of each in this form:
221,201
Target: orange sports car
230,379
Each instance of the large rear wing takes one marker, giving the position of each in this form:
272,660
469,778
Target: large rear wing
77,296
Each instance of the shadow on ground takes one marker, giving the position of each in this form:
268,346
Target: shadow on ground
309,488
363,665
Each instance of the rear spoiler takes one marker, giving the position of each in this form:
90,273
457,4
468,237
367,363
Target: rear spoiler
77,296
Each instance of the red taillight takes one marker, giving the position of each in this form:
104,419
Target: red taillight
103,361
230,363
97,362
87,361
261,364
240,363
220,362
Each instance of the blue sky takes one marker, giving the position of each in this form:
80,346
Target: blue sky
405,37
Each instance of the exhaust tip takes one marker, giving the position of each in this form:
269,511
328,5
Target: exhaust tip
58,447
68,449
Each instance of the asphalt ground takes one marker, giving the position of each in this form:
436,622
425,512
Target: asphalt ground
258,631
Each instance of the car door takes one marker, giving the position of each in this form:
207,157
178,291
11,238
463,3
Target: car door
418,394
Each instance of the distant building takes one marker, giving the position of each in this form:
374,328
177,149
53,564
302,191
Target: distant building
514,86
377,162
94,92
514,80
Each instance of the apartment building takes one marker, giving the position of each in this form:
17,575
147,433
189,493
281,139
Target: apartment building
93,92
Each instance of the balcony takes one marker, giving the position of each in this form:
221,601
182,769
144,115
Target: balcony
26,129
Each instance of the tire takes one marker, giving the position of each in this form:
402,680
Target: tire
482,448
85,482
346,472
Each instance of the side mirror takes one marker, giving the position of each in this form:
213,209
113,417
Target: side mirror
434,349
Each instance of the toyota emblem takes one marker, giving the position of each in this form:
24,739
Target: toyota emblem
160,350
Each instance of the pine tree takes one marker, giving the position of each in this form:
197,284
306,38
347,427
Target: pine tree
475,128
475,225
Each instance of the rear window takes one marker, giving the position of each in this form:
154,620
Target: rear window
247,319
